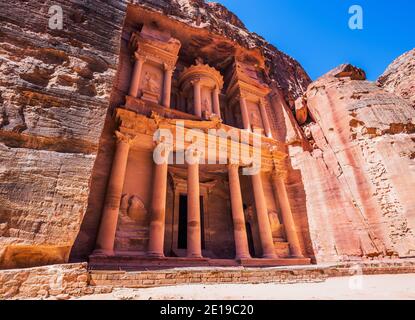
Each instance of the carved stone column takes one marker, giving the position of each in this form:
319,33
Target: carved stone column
280,193
168,74
197,97
265,119
245,114
136,76
239,227
264,226
216,102
194,237
158,208
109,219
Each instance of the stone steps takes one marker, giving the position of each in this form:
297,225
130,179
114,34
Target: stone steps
146,279
142,262
282,249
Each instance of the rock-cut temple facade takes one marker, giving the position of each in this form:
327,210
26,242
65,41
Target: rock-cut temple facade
205,211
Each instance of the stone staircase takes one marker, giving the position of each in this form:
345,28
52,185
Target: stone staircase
282,249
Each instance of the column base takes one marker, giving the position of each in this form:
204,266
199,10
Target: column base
103,252
244,257
195,256
155,255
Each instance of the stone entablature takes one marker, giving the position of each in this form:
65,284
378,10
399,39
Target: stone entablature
133,124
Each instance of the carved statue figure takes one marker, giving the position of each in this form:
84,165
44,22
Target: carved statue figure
206,104
151,83
255,120
249,214
137,210
273,220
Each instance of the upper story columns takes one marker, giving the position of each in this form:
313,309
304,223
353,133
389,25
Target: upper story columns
202,83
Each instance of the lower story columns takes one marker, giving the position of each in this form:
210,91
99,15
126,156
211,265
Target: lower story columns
194,237
239,227
109,219
280,193
264,226
158,207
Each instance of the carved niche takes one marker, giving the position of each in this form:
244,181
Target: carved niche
208,79
246,83
158,52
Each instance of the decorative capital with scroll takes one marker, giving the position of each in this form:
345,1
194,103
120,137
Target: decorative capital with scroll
123,137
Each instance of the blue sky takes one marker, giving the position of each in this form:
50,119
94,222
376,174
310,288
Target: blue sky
317,34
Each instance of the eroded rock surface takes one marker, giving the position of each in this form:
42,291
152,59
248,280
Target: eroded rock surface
399,77
359,170
54,93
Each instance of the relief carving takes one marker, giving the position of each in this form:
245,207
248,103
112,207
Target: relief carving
256,120
249,214
274,222
133,208
151,82
136,210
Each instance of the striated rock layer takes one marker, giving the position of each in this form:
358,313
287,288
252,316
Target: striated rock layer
399,77
54,94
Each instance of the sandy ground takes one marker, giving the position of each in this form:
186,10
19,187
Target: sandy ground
349,288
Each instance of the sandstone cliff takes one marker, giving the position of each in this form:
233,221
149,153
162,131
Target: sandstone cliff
399,77
359,170
56,88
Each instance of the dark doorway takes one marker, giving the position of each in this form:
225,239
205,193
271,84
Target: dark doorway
182,236
250,240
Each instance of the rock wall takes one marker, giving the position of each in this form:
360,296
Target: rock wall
358,170
59,282
399,77
55,89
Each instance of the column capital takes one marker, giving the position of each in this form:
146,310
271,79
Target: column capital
193,155
195,81
241,96
139,57
125,138
233,165
217,88
168,67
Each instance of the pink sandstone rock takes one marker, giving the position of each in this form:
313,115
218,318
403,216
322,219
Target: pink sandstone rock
358,178
399,77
